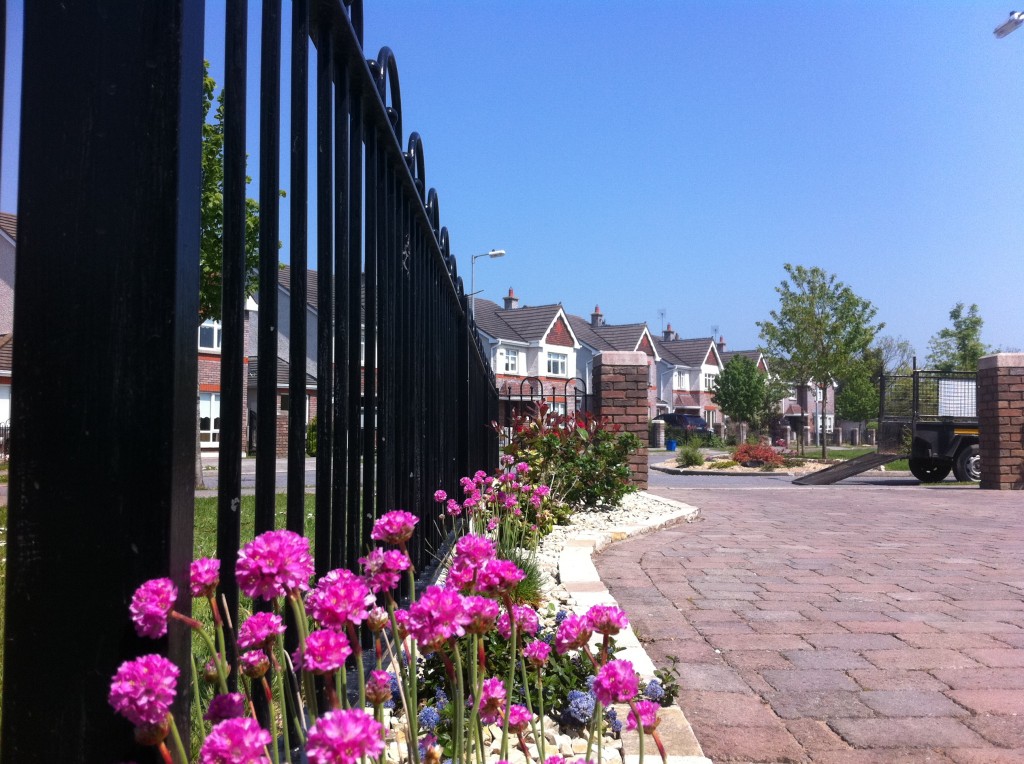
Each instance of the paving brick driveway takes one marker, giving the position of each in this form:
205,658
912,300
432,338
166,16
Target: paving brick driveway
838,624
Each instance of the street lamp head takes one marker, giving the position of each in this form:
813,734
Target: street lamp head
501,253
1015,20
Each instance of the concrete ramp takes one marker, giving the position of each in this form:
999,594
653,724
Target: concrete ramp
846,469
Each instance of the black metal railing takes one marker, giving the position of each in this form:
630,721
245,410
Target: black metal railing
101,478
525,397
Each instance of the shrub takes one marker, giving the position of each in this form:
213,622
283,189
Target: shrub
723,464
757,453
585,461
311,437
689,456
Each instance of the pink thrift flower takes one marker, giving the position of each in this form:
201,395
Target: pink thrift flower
142,690
204,577
259,631
492,524
519,718
474,548
273,564
394,527
254,664
505,460
554,760
378,687
436,617
339,599
229,706
606,619
541,490
648,715
482,613
383,569
236,741
462,575
453,508
326,652
573,634
344,737
151,605
522,468
616,682
377,619
440,496
492,700
527,621
498,576
537,652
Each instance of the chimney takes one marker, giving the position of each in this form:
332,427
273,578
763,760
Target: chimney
596,319
669,335
511,302
721,344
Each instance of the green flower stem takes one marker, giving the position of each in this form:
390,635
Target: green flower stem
639,728
459,698
341,685
282,703
308,681
513,644
413,719
179,747
529,705
222,677
476,684
595,724
197,701
540,700
357,652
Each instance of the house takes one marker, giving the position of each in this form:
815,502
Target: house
686,376
208,344
8,245
543,352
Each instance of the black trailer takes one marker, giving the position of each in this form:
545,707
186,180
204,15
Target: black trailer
931,417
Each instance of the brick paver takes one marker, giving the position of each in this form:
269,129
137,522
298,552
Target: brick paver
838,625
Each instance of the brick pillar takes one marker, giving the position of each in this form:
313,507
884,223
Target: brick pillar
1001,420
620,383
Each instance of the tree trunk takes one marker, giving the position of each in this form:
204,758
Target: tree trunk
821,424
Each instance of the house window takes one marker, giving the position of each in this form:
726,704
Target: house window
557,364
209,335
511,362
817,394
209,418
557,407
710,416
709,381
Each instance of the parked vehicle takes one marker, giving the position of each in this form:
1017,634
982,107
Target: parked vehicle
690,422
935,414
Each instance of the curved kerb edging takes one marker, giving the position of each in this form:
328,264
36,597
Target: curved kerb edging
578,576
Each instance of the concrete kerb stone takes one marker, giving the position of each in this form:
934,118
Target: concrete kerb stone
578,575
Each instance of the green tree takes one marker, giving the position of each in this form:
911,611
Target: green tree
892,355
746,394
819,331
857,396
958,347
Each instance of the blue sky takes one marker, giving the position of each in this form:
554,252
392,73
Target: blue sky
650,156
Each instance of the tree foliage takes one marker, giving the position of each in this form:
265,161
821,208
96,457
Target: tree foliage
857,396
958,347
211,242
892,355
746,394
820,330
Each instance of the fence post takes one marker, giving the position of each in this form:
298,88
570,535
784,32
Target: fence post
104,376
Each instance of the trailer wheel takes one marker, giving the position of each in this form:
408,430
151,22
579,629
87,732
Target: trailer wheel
930,470
967,467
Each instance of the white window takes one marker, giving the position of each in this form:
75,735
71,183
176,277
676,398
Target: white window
557,407
817,393
511,362
709,381
557,364
710,417
209,335
209,418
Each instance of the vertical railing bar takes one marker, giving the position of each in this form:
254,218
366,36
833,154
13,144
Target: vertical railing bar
369,483
325,234
229,487
299,235
353,510
340,515
270,176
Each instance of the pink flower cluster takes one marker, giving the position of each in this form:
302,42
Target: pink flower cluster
395,527
437,616
616,682
383,569
142,690
236,741
344,737
204,577
340,599
259,631
273,564
326,652
151,605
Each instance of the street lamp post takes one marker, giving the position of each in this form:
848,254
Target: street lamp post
1015,20
494,253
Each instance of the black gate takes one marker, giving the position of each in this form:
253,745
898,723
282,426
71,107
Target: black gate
104,387
530,395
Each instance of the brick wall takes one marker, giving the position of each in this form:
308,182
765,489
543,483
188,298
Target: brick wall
559,335
1001,420
620,390
281,435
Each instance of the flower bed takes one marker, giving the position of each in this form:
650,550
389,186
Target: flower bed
478,674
